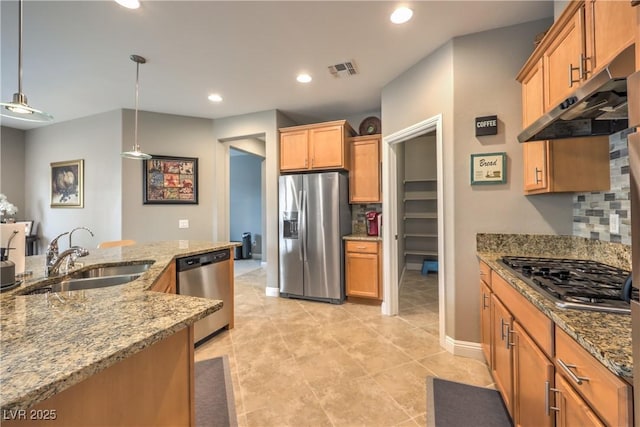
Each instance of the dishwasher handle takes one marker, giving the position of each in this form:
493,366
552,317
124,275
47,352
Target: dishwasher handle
195,261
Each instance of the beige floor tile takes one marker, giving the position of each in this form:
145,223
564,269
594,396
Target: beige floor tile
362,311
327,313
407,385
377,354
360,402
416,342
350,331
410,423
301,410
457,368
248,330
324,369
310,341
260,351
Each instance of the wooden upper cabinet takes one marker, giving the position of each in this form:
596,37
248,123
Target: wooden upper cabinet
317,146
294,150
533,94
567,165
364,174
536,175
609,30
564,61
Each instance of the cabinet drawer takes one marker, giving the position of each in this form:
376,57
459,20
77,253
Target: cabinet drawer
537,325
485,273
362,247
608,395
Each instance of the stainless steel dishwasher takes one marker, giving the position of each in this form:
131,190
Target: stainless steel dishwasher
207,275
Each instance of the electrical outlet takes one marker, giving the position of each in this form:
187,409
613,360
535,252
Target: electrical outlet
614,223
183,223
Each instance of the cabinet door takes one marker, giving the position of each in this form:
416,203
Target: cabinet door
364,174
535,165
532,95
502,366
572,411
533,378
563,61
362,275
609,28
485,320
294,150
326,147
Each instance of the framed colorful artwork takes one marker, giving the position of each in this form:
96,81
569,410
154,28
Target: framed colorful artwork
67,184
170,180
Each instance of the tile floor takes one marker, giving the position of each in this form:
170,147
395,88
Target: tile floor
296,362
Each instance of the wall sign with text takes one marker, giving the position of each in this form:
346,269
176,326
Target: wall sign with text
488,168
487,125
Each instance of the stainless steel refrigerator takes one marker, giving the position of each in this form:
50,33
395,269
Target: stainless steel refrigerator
314,216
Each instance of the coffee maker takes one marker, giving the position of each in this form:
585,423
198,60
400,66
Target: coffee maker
374,223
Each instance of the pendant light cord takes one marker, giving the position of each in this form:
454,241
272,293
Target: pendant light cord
21,5
135,129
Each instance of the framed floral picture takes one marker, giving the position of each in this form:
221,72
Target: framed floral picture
170,180
67,184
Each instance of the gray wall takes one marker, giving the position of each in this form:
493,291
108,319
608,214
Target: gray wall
12,167
167,135
468,77
246,198
97,140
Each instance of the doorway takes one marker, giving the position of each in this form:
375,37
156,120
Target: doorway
247,206
393,244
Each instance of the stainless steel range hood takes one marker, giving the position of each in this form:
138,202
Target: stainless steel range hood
597,107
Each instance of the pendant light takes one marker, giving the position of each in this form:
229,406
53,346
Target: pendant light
18,107
136,154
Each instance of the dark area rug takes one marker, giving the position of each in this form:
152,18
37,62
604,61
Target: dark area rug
215,405
453,404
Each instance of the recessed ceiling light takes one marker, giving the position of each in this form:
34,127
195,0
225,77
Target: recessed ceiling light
303,78
129,4
401,15
214,97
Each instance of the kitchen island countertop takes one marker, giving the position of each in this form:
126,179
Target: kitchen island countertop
52,341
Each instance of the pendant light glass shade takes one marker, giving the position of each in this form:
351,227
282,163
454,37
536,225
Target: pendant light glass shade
135,153
18,107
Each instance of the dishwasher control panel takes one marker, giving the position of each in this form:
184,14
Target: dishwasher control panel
195,261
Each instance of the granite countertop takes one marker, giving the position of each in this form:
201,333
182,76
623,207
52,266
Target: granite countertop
362,237
606,336
50,342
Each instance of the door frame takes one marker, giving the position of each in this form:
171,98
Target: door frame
390,286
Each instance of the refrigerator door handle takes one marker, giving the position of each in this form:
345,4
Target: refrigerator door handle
303,222
300,226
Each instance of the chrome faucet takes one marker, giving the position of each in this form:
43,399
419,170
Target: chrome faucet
76,229
70,256
52,252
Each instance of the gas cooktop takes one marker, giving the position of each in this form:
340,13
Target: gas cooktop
574,283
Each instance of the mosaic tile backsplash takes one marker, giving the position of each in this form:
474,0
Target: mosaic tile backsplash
358,219
591,210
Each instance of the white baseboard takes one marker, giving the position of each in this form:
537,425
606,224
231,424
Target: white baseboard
468,349
272,292
413,266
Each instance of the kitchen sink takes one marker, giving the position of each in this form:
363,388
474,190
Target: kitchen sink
85,283
111,270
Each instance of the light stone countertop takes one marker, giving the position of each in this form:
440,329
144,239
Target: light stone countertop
362,237
606,336
50,342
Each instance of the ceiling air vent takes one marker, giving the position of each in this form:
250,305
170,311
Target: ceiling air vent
346,69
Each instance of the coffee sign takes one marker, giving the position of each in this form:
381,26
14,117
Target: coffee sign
487,125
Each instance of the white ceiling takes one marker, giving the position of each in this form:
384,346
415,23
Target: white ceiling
76,53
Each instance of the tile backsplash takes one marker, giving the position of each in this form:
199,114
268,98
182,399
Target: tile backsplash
358,219
591,210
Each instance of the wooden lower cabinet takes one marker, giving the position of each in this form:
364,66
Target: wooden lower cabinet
154,387
571,410
166,282
362,269
544,376
502,360
533,380
485,320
